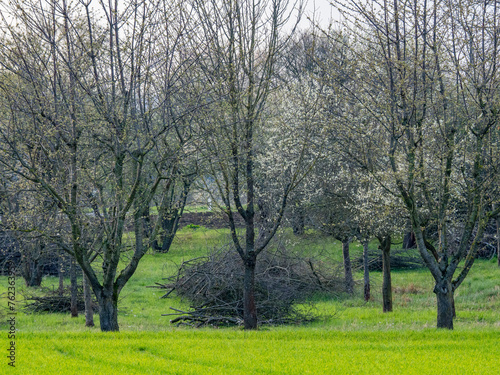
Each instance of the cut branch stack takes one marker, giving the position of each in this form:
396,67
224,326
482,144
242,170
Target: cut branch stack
401,259
214,287
54,302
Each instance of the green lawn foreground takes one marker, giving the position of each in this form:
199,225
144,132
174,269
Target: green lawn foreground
289,351
353,337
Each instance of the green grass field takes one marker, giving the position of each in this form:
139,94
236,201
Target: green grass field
276,351
351,336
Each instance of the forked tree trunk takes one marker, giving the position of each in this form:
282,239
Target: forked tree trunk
249,308
108,311
366,275
74,290
165,244
87,294
169,224
170,220
445,303
385,246
348,279
32,272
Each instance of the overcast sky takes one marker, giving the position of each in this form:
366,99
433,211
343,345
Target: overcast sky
322,11
322,7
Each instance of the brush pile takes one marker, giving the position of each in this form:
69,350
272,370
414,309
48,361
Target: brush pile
401,259
214,287
53,301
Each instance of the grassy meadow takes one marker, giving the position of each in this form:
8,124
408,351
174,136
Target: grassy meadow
350,337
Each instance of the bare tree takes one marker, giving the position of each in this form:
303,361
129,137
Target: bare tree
243,40
92,91
432,95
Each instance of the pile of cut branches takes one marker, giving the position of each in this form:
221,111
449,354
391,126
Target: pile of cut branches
214,287
401,259
487,248
53,301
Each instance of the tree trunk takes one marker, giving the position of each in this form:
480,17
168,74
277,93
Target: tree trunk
298,220
108,311
366,276
249,308
263,210
74,290
349,280
498,240
32,272
170,226
453,306
165,245
61,276
445,301
385,246
409,241
87,294
170,220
